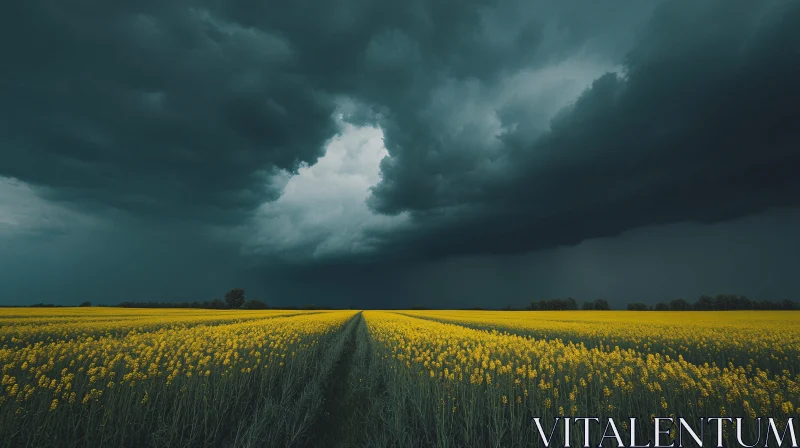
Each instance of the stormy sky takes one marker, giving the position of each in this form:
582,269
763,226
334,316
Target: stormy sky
387,154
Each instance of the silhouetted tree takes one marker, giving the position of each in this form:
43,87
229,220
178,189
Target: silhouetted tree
638,306
679,305
705,303
722,302
554,304
598,304
86,303
234,298
255,305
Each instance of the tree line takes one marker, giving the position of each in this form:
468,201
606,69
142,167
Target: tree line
234,299
567,304
217,304
720,302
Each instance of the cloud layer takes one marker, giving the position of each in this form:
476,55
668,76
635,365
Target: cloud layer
697,125
322,212
163,107
399,132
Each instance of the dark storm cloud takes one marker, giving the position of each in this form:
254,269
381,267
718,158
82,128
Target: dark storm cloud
755,256
701,124
191,108
157,106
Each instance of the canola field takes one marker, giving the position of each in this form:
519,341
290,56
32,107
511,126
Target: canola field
124,377
114,377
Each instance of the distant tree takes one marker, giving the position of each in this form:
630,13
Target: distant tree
723,302
741,302
638,306
216,304
679,305
661,306
86,303
598,304
554,304
787,304
255,305
705,303
234,298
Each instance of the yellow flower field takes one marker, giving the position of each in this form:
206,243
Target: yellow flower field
144,377
481,386
766,339
61,324
129,367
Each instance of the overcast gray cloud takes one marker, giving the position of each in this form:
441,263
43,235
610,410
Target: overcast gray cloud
322,212
23,213
698,125
163,107
288,143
